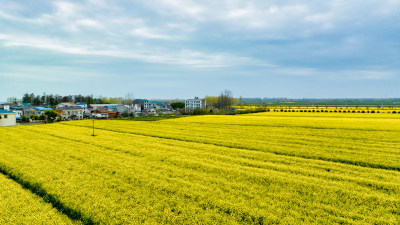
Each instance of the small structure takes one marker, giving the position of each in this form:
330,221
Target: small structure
124,109
195,103
104,114
8,118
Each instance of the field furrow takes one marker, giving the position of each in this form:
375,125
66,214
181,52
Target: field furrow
353,152
19,205
166,173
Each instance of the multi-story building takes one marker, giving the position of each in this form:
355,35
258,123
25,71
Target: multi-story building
195,103
70,113
144,104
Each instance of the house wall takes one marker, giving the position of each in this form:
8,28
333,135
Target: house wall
66,113
195,104
18,113
11,120
28,113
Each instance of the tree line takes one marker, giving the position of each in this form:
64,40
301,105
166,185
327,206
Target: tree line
223,101
53,100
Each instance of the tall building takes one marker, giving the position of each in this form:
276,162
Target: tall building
196,103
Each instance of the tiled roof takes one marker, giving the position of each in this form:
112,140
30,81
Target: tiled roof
43,108
70,108
6,112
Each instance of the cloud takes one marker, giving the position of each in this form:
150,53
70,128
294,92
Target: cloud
183,57
89,23
323,74
66,9
64,74
181,8
338,39
145,32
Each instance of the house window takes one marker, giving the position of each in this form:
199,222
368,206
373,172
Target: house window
5,116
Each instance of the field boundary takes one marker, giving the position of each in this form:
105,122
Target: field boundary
38,190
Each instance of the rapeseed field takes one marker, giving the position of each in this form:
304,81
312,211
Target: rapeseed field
262,168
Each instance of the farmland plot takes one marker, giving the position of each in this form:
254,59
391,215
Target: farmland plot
266,168
20,206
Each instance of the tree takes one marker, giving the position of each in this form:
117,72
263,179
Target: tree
33,117
129,98
225,99
42,117
36,100
51,115
26,98
24,119
211,100
178,105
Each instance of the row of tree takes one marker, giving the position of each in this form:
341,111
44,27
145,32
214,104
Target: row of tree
223,101
53,100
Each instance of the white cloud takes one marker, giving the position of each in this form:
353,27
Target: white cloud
98,27
47,74
324,74
183,8
183,57
89,23
145,32
66,9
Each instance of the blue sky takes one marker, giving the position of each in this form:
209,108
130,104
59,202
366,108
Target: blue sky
187,48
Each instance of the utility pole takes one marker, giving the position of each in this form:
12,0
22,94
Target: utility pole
93,127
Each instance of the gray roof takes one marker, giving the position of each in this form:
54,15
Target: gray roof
70,108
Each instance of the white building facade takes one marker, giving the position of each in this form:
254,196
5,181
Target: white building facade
195,103
8,118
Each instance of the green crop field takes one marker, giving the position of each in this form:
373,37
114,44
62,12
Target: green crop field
245,169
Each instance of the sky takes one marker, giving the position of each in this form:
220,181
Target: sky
186,48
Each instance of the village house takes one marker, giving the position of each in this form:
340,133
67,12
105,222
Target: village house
101,106
41,110
124,109
97,114
136,108
104,114
18,111
66,104
28,111
70,113
143,104
195,103
8,118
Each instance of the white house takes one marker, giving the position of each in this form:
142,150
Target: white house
98,106
18,111
8,118
195,103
